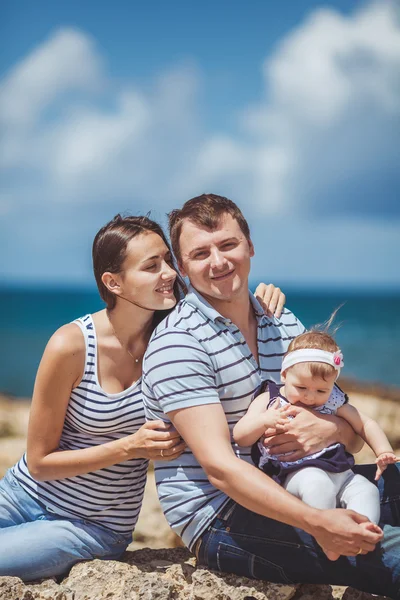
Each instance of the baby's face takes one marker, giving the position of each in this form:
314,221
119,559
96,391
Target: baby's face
304,389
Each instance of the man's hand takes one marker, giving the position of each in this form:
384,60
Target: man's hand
305,434
344,532
271,299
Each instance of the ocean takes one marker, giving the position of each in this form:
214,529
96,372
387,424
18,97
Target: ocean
369,335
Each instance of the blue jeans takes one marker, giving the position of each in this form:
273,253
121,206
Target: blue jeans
35,544
242,542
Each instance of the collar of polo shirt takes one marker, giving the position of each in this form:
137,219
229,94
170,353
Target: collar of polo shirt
198,301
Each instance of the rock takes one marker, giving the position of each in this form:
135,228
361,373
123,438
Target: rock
164,574
12,588
161,572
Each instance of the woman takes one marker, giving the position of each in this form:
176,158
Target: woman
77,492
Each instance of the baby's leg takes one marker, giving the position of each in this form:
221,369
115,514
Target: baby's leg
359,494
316,488
313,486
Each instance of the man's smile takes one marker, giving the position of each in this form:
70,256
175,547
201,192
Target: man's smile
223,276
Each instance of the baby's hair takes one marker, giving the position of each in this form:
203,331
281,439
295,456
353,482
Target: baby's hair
318,338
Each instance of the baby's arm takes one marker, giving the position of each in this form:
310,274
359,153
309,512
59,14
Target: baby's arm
371,432
257,420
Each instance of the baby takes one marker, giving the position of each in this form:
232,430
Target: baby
323,479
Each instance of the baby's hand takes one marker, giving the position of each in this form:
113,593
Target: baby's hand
274,419
383,460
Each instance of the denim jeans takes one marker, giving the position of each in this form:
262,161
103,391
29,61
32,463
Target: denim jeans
35,543
245,543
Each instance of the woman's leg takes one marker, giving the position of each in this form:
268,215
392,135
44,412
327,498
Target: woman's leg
49,548
35,544
16,506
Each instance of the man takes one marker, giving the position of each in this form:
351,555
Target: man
201,370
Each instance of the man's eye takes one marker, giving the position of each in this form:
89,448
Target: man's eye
200,255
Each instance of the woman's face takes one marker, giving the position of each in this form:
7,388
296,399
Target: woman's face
147,277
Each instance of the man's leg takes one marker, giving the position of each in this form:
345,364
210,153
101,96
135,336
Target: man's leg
249,544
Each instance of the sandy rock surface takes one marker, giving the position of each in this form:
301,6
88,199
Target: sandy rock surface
168,574
154,567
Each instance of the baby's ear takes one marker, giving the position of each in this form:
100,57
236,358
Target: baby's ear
283,376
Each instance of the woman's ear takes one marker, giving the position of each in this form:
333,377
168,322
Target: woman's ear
112,283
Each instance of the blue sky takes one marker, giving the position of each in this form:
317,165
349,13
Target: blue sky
291,109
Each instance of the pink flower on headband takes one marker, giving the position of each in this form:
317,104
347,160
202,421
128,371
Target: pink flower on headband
338,359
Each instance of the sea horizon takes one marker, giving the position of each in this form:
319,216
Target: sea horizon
368,334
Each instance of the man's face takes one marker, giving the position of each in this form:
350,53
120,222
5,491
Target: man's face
216,262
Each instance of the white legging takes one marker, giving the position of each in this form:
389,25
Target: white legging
321,489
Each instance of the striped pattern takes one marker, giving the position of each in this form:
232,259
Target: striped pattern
111,497
198,357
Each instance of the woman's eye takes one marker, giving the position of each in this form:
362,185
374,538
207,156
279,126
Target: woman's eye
151,267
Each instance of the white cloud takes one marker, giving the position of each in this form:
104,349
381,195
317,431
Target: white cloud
64,63
76,143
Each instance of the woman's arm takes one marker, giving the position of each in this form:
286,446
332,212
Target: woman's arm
61,370
257,420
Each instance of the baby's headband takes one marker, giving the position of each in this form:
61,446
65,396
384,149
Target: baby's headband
335,359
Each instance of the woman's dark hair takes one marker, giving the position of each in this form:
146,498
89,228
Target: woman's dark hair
109,253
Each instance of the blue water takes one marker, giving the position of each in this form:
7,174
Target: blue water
369,336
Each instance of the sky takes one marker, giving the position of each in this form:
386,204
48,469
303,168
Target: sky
291,109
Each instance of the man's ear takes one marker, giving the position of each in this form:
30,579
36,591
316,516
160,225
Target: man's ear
251,248
112,283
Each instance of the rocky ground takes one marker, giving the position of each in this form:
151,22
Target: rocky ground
154,567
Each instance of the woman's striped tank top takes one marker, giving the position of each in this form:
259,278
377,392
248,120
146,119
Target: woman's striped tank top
112,496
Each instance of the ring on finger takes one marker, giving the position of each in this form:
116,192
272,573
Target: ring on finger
359,552
162,453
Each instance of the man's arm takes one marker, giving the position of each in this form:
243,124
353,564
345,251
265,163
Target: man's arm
310,432
205,430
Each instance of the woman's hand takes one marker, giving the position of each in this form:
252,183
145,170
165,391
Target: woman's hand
154,440
271,299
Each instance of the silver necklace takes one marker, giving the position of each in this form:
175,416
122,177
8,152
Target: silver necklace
136,359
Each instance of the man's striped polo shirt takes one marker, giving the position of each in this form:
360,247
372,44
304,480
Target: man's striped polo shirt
195,357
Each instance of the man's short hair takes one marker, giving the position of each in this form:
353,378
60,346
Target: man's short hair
206,211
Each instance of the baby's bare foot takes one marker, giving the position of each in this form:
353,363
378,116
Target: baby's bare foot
368,526
331,555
